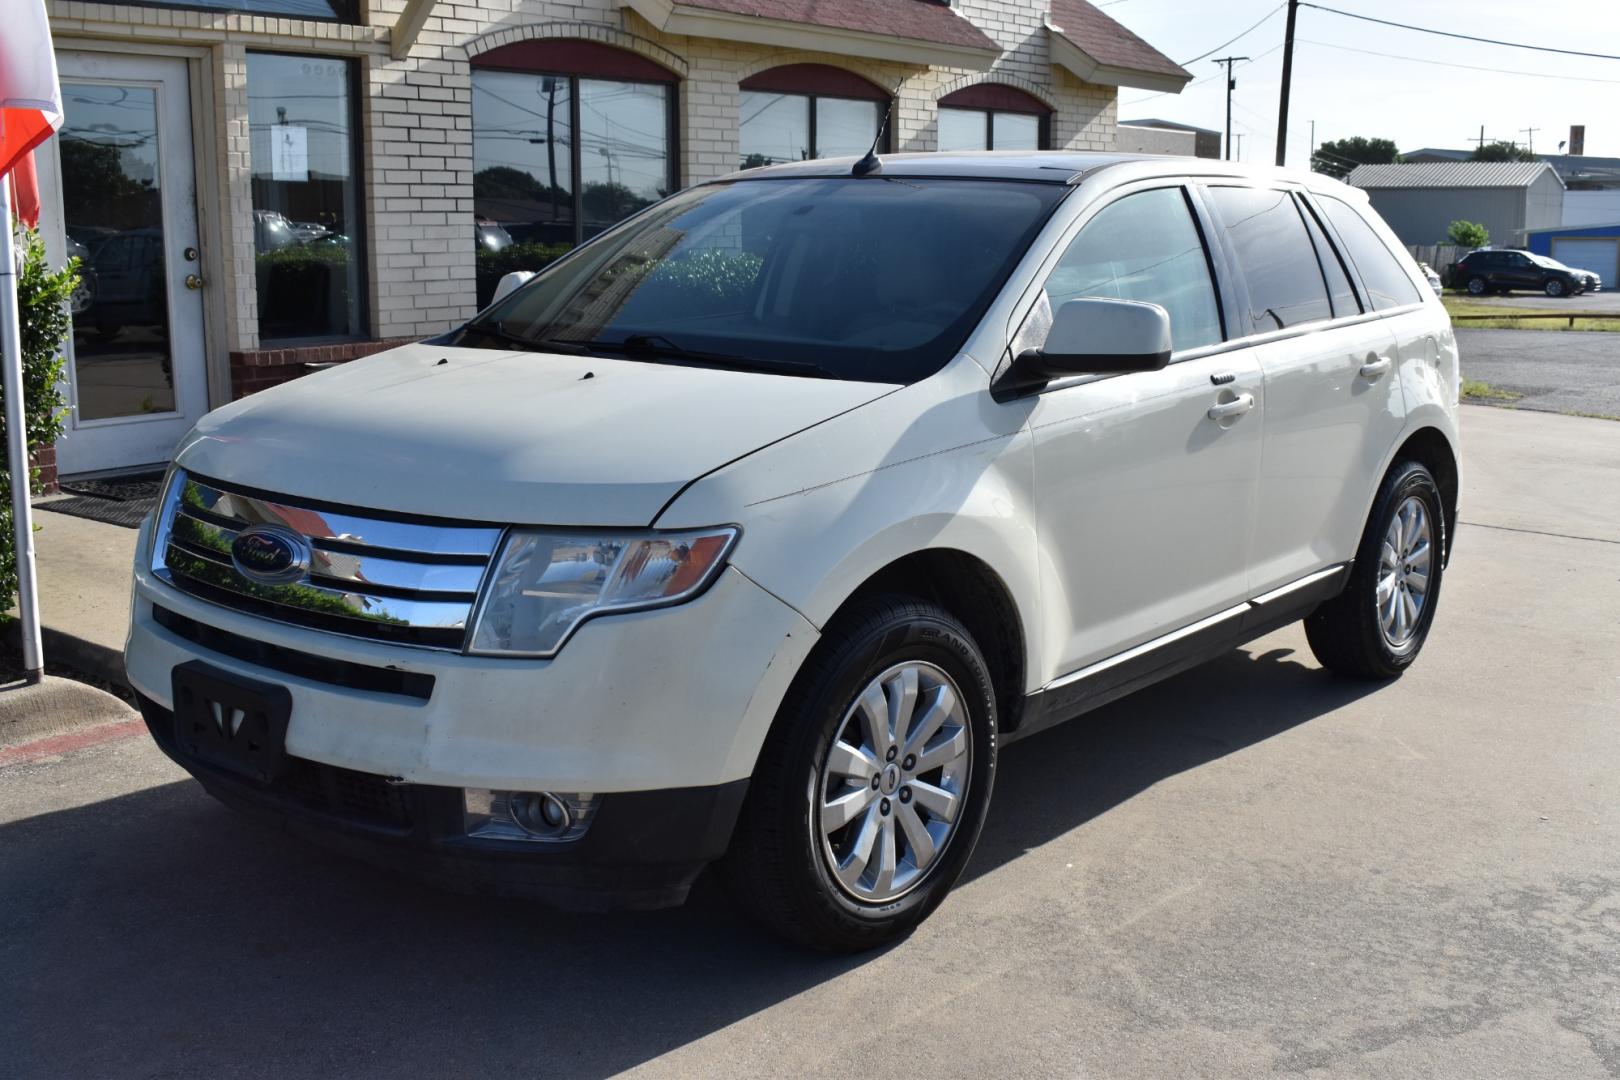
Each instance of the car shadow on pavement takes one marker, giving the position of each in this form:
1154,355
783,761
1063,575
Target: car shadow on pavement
157,933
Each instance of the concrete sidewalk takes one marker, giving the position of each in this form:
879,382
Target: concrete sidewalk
84,579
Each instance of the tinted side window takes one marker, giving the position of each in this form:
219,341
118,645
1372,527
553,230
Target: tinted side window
1386,281
1144,247
1268,237
1340,290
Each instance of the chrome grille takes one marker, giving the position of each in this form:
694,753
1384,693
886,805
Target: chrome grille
367,575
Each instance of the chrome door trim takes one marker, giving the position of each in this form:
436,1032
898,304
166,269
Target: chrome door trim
1148,646
1189,630
1295,586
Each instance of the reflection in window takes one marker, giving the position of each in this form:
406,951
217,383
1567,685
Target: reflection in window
306,192
1268,237
537,189
1144,247
112,202
796,127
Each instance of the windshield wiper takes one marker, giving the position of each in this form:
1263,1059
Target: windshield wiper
501,333
658,345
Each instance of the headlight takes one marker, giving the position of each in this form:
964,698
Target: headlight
546,582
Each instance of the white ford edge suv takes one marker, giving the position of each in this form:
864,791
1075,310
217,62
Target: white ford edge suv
751,530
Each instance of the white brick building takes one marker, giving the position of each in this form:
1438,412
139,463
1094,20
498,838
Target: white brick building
262,185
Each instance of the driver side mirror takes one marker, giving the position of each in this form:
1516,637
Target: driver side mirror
1093,336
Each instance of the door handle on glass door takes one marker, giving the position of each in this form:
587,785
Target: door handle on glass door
193,281
1374,368
1228,409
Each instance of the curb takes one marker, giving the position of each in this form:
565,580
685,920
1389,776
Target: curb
82,655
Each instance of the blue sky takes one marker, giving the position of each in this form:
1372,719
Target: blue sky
1417,102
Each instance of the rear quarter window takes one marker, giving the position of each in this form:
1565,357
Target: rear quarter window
1381,272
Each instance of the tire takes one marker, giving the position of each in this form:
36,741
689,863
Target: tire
1348,634
1554,287
782,865
1476,286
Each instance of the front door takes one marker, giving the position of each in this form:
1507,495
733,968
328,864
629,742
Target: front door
119,187
1145,483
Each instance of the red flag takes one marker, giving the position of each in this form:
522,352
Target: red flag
25,192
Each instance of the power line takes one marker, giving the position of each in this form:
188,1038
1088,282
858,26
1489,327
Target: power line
1466,67
1205,79
1460,37
1229,41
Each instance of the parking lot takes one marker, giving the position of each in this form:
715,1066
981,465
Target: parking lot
1253,868
1555,371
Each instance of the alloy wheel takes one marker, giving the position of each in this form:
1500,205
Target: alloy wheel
1403,572
892,788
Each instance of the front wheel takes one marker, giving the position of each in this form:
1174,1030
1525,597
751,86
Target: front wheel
1554,287
1375,628
874,783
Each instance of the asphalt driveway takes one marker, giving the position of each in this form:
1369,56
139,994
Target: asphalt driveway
1256,868
1556,371
1606,301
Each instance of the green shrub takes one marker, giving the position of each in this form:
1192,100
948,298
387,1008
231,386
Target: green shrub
42,302
1468,234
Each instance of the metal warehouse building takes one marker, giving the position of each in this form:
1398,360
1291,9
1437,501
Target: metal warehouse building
1420,201
1585,247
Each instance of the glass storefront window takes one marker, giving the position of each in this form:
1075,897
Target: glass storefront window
306,192
992,117
328,10
537,189
777,127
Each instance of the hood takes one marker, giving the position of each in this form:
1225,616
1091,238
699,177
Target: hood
507,437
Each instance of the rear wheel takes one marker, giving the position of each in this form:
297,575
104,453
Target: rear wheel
870,792
1375,628
1476,286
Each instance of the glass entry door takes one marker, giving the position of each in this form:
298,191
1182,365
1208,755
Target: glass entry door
119,187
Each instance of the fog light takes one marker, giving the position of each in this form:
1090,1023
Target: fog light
545,816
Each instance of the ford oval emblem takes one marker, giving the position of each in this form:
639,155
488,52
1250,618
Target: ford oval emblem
270,554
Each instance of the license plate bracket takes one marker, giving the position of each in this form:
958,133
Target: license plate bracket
231,722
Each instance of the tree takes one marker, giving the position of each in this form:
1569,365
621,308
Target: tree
42,301
1501,150
1337,157
1468,234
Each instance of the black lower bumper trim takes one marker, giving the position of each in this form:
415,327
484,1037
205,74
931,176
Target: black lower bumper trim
643,849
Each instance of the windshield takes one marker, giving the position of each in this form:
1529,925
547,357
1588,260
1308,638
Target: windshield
872,278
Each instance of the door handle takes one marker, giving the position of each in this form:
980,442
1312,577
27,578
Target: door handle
1228,409
193,281
1374,368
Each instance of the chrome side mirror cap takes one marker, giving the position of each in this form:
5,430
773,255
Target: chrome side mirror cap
510,283
1093,336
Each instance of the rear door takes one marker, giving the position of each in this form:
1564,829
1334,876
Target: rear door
1332,400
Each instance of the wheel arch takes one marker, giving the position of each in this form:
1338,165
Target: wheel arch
1433,449
968,588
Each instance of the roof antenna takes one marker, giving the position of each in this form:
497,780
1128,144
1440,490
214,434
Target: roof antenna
870,163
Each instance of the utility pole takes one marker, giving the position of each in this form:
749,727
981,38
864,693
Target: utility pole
1481,140
1313,139
1231,84
1530,134
1287,84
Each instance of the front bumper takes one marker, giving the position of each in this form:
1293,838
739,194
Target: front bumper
673,698
642,850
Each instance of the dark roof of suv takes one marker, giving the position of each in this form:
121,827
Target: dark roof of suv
1049,166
